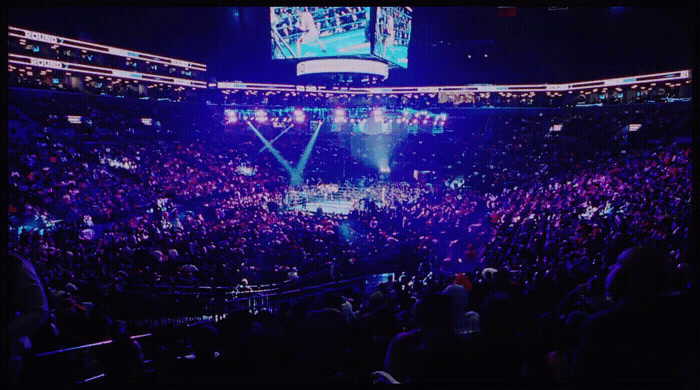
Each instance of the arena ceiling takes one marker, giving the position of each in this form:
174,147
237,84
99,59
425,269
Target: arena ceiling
448,45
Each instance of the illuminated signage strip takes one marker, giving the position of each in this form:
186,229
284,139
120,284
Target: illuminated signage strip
588,84
463,89
100,71
336,65
685,74
286,88
678,75
260,87
74,43
659,77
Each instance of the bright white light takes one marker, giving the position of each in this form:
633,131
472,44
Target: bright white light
377,114
260,116
299,115
231,116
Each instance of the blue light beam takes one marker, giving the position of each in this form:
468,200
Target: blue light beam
297,174
275,139
274,151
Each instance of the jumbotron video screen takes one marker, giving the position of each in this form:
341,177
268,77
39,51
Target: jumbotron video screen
392,33
313,32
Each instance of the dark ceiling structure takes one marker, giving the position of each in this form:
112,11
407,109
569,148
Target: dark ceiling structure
462,45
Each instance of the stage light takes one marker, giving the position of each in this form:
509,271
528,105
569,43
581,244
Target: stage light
377,114
340,115
299,116
231,116
260,116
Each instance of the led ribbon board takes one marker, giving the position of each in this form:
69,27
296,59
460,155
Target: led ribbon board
343,66
100,71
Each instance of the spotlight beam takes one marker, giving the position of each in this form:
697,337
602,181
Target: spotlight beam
275,139
274,151
301,165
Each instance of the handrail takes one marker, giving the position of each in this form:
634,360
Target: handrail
319,286
281,294
86,346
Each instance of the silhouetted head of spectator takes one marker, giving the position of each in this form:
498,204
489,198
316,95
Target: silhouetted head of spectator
463,280
640,273
497,315
684,276
332,300
205,341
434,313
383,323
384,288
268,319
596,286
124,362
325,337
237,321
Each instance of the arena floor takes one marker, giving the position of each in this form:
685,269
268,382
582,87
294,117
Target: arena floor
329,207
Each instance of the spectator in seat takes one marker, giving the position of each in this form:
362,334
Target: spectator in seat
431,352
651,334
458,292
124,361
27,310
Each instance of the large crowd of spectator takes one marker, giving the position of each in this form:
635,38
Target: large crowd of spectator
510,256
